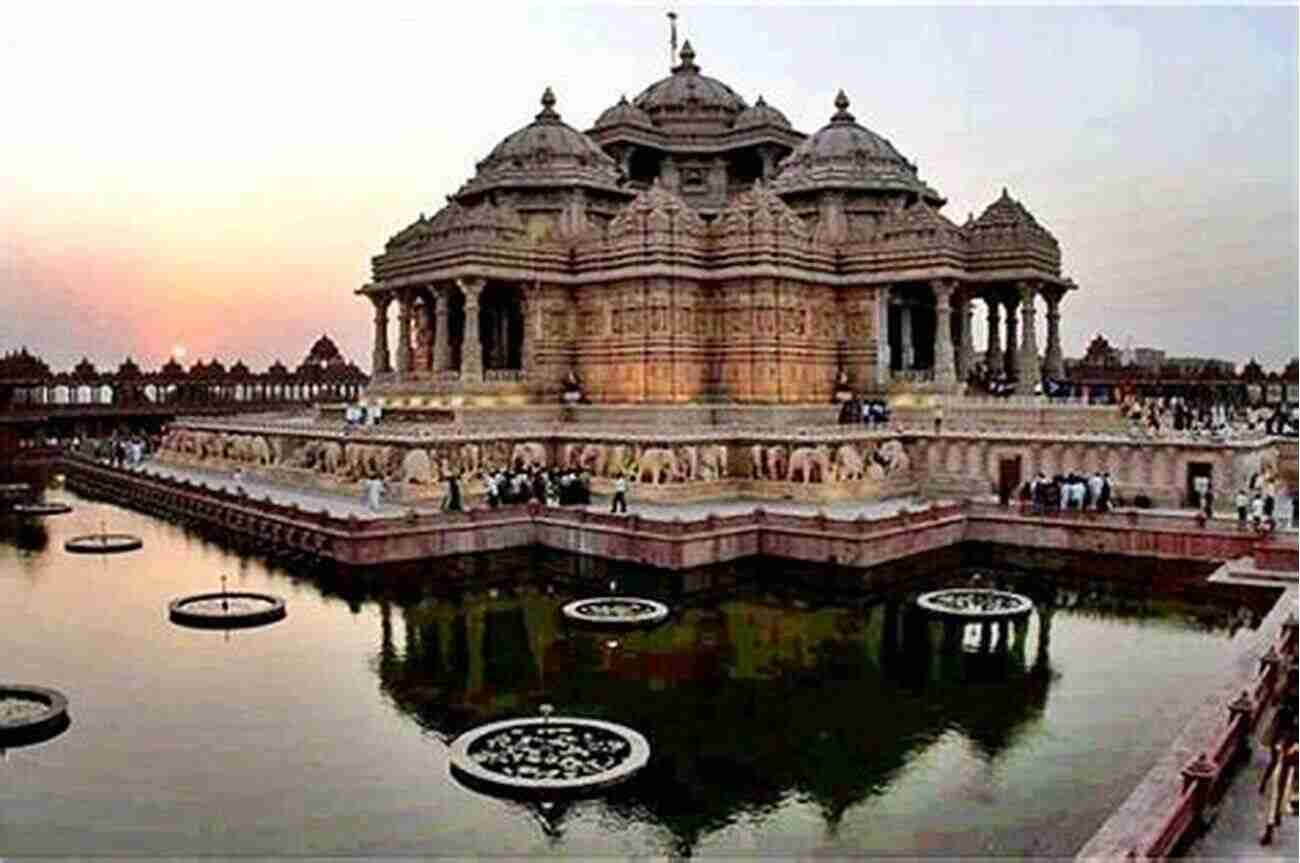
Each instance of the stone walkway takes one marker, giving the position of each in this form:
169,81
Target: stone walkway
872,509
308,499
1235,832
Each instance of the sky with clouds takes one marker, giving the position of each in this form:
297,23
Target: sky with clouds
219,179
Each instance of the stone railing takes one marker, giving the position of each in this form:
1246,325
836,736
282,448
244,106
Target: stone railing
501,376
447,376
1173,804
1206,777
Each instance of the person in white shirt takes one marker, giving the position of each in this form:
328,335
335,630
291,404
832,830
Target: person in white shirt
620,494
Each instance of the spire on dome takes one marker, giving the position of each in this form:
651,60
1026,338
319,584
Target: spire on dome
842,114
688,59
548,112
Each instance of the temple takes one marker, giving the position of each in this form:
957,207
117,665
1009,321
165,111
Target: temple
693,247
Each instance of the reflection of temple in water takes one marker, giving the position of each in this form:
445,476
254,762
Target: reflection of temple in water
747,700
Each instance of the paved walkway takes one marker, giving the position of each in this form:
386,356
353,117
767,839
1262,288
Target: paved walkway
872,509
309,499
1235,832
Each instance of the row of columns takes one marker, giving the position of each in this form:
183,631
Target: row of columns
1019,360
471,346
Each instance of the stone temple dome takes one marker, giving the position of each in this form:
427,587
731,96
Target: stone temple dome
623,112
546,153
845,155
687,97
761,114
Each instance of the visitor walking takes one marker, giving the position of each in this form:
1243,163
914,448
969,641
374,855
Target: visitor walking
1242,501
239,480
620,495
452,502
1278,784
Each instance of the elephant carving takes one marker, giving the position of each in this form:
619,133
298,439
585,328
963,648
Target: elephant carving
767,462
331,458
810,461
260,450
416,467
688,459
659,465
848,463
309,454
713,462
527,456
621,460
470,459
895,456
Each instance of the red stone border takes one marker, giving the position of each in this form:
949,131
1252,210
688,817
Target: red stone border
1164,812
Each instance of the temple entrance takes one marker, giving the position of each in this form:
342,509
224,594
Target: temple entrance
1008,477
501,327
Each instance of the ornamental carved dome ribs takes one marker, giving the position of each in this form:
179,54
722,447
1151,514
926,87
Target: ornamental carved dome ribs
1007,235
845,156
688,99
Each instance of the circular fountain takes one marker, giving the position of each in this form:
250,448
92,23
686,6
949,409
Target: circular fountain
548,755
30,714
103,543
615,611
975,604
226,610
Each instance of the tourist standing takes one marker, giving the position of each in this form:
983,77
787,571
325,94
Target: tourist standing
1208,499
1242,502
1095,485
1257,511
452,502
1103,498
938,418
239,480
620,495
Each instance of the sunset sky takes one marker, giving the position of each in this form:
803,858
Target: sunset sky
218,179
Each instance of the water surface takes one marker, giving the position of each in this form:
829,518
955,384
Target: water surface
780,722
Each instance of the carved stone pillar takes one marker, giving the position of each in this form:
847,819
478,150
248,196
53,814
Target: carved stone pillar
905,336
1054,363
1012,349
966,346
441,330
883,357
379,357
403,335
1027,371
945,368
993,355
471,351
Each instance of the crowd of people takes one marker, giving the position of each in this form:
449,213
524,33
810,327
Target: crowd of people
868,412
549,487
1070,491
1161,415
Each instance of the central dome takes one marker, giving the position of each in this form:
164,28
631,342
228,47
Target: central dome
687,97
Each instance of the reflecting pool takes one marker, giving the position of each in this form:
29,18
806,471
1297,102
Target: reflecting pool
781,721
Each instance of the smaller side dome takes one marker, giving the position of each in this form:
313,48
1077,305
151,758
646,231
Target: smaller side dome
546,153
624,113
761,114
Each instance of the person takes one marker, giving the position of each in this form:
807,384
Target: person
620,494
1242,502
1208,497
1095,485
1103,498
452,502
239,480
1295,508
938,418
1279,780
374,489
1257,511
